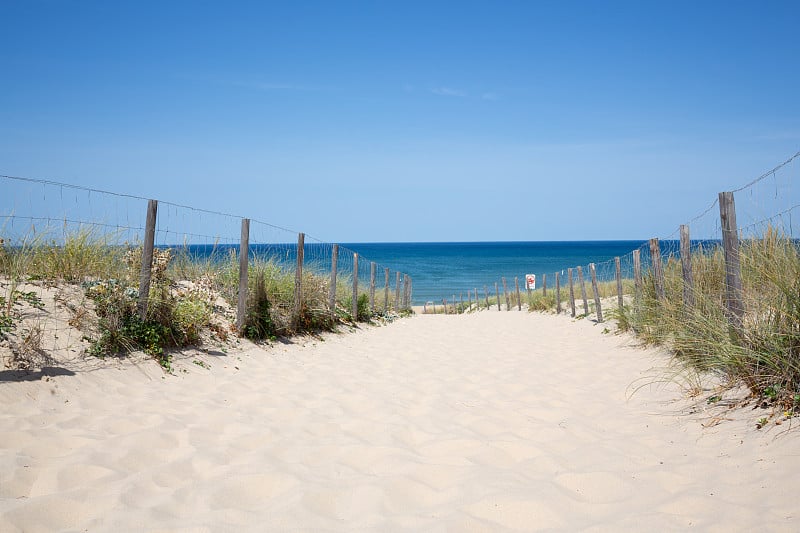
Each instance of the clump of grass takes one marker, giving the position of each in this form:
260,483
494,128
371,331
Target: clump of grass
183,293
764,353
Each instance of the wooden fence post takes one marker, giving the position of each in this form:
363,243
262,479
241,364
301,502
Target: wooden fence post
332,296
298,280
571,292
469,299
397,292
461,301
733,273
486,295
372,270
544,284
455,309
147,257
505,295
637,276
386,291
618,273
583,292
686,267
444,304
244,254
477,302
558,293
497,295
658,269
519,300
598,310
355,287
407,287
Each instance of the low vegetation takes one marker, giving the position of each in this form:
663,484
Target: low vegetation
763,352
189,298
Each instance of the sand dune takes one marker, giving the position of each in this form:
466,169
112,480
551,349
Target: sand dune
485,422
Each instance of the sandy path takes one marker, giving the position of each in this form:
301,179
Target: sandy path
484,422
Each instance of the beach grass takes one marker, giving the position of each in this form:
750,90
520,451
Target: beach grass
185,292
763,352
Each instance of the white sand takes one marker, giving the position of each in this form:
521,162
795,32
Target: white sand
485,422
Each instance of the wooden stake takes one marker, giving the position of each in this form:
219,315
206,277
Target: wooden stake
355,287
598,309
519,300
298,281
147,257
571,292
733,274
637,276
618,272
372,270
658,269
332,295
244,253
583,292
686,267
558,293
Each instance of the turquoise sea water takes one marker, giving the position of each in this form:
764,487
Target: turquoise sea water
440,270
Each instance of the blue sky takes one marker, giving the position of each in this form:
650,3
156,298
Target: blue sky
406,121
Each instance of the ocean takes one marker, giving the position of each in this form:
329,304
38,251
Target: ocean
440,270
443,269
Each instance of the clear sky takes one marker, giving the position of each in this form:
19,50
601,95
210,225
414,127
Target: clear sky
406,121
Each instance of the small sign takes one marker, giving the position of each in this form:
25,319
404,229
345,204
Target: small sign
530,282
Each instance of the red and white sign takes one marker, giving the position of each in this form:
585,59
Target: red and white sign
530,282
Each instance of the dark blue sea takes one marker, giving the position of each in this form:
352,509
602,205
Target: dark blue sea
441,270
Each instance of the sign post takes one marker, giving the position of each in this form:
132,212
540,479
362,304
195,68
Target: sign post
530,282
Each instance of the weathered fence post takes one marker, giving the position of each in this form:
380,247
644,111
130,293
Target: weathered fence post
386,291
497,295
244,254
558,293
298,281
571,292
486,295
618,273
469,299
637,276
519,300
147,257
332,296
658,269
407,288
354,306
733,273
397,292
505,295
444,304
461,301
598,309
583,292
544,284
477,302
686,267
372,270
455,309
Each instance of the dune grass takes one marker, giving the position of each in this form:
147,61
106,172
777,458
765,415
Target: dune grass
184,294
764,353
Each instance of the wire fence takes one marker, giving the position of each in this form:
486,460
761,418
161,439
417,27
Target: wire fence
769,202
47,221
